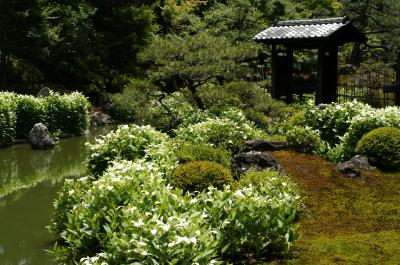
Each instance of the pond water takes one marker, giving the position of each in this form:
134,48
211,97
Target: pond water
29,181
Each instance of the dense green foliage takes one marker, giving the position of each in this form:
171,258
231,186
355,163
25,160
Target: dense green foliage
199,175
60,113
382,146
187,152
303,139
31,110
130,215
8,119
334,120
131,142
220,132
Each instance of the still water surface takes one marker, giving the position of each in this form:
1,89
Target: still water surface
29,181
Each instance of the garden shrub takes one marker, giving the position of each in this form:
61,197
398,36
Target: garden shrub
383,146
67,113
242,94
363,123
272,181
30,110
298,119
334,120
187,152
303,139
130,143
142,103
8,118
199,175
220,132
259,118
259,222
130,216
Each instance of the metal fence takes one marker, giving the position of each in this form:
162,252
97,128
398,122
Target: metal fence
375,88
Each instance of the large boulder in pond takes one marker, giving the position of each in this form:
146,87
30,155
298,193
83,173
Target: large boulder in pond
243,162
40,137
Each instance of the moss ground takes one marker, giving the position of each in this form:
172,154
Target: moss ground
345,221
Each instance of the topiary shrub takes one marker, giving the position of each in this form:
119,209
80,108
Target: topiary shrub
187,152
383,146
199,175
131,143
303,139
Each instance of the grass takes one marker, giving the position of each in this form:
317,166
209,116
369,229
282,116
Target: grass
345,221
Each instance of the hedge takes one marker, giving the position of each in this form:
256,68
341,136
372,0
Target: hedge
60,113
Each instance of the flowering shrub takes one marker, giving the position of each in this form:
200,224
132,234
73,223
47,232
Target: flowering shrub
334,121
130,143
221,132
199,175
131,215
8,118
198,116
251,220
363,123
382,145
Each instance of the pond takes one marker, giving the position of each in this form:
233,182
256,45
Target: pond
29,181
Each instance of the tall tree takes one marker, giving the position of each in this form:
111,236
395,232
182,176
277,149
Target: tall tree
20,29
191,61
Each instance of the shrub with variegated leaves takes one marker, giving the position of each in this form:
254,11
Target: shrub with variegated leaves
131,142
131,216
334,120
220,132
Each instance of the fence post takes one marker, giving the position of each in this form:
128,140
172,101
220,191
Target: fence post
397,93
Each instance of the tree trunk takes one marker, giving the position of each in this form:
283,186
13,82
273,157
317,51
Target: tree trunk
196,97
397,94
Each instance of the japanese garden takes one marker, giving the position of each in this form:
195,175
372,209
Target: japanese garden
199,132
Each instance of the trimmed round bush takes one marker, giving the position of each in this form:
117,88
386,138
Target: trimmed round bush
383,146
187,152
131,143
303,139
199,175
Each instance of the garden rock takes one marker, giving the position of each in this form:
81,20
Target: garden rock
243,162
264,146
348,169
98,118
40,137
44,92
360,161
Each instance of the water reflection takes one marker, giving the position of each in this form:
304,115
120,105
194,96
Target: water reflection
29,180
22,167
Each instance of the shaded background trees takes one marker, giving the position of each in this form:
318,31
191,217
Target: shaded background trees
93,45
